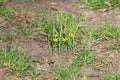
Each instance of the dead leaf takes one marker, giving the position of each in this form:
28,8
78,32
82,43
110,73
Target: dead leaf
102,10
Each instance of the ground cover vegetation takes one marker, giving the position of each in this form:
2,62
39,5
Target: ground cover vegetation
75,52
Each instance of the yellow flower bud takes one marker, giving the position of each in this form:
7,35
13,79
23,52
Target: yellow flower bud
64,39
55,40
55,35
71,35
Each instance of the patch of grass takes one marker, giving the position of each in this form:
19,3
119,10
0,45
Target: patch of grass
21,21
37,26
34,73
5,12
25,24
2,2
16,62
69,73
100,4
117,47
9,36
61,30
72,71
85,57
27,29
107,30
112,77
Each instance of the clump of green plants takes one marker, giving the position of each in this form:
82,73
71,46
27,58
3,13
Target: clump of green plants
69,73
117,47
85,57
107,30
112,77
26,29
72,71
9,36
34,73
2,2
15,61
6,12
61,29
100,4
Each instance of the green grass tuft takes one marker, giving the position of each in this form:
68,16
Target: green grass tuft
72,71
107,30
101,4
16,62
85,57
2,2
5,12
112,77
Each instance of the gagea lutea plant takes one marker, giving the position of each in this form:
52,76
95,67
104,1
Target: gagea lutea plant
61,29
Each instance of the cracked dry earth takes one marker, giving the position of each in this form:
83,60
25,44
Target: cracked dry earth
108,60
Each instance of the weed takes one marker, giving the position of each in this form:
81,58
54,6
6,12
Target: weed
61,30
107,30
17,62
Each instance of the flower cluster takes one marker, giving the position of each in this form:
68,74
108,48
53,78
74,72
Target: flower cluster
71,35
64,39
56,38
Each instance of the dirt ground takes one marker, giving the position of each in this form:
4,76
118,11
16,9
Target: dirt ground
39,49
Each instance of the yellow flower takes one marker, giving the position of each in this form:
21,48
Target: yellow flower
64,39
71,35
55,40
55,35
